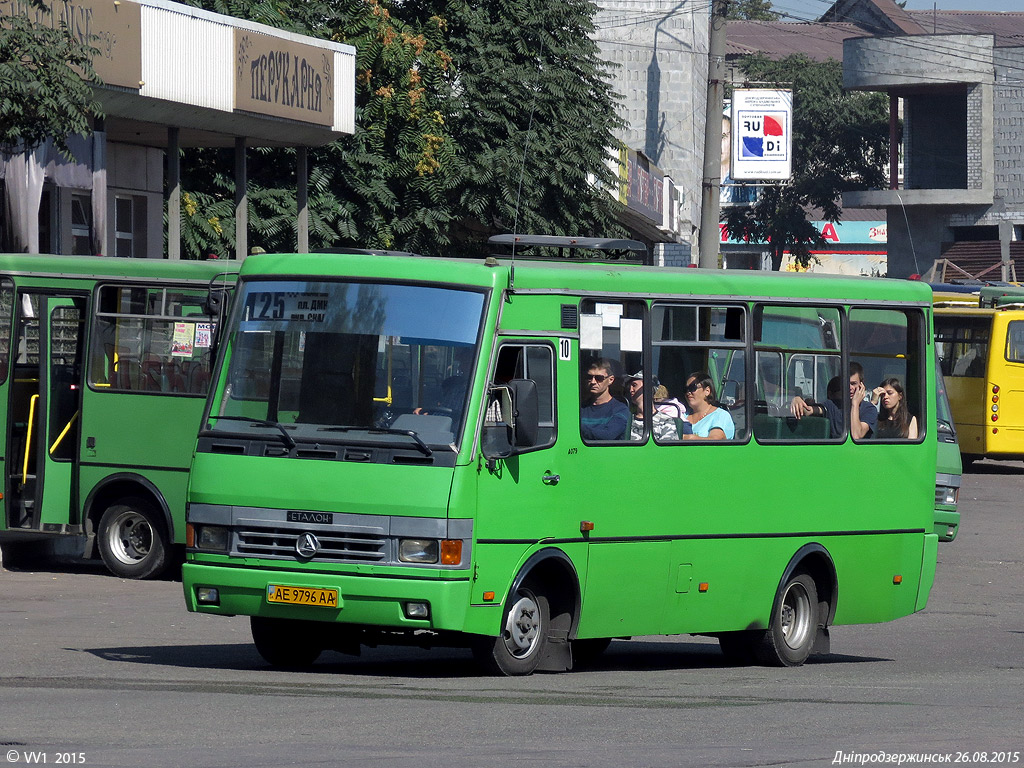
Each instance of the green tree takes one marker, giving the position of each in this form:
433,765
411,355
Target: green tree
454,105
535,120
46,80
840,143
751,10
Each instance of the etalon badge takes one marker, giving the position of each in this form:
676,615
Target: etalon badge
307,545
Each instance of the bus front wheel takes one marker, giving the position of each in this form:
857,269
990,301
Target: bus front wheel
794,624
132,540
524,631
286,644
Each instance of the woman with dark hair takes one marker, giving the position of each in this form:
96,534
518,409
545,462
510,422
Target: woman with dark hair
894,419
710,422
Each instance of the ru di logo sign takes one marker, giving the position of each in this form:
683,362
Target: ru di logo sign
762,141
763,135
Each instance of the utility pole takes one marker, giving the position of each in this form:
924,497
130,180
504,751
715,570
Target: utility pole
708,238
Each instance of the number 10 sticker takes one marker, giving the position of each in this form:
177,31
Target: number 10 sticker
564,349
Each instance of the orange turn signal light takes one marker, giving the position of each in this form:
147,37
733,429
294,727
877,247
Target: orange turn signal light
897,579
451,551
488,597
190,535
703,586
586,525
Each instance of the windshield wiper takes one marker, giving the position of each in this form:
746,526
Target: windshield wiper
285,437
384,431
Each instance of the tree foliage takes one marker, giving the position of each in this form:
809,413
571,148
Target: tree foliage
46,80
751,10
455,104
840,144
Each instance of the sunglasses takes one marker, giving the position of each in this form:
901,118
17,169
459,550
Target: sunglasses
694,387
595,376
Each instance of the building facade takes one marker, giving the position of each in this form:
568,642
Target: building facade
173,76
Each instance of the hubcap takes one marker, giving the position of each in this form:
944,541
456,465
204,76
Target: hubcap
130,537
522,628
796,616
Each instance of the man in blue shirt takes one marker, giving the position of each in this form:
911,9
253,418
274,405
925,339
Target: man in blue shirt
602,417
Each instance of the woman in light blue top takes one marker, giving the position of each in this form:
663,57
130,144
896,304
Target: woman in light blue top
710,422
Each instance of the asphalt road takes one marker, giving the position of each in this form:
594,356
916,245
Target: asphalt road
103,672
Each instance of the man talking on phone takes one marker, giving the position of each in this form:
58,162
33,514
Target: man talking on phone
864,415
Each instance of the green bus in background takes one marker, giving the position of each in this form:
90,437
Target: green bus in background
104,370
948,467
399,449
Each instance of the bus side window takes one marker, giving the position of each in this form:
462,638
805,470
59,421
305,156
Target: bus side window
143,341
611,348
6,315
798,357
691,338
889,345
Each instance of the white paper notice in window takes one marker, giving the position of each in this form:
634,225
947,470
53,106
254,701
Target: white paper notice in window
631,336
591,332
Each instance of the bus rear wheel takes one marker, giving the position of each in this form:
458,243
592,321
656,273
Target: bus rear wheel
132,540
523,639
284,643
794,624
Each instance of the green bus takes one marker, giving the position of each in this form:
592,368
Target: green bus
422,463
104,369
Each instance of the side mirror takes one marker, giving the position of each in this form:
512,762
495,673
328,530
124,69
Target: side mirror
511,419
216,300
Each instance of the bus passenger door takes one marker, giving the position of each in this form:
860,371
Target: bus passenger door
521,498
45,397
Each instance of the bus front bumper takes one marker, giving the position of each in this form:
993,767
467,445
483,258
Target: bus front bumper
360,599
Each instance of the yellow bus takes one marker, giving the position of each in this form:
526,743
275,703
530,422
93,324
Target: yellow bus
979,338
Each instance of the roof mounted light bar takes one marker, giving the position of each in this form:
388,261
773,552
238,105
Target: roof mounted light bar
613,249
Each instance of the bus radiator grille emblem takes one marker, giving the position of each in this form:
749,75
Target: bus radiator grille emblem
307,545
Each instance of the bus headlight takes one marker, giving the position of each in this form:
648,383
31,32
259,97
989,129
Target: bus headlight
946,495
418,550
212,538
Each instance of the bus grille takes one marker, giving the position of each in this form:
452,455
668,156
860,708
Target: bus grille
336,546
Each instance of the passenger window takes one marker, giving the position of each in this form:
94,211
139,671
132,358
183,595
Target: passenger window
6,314
799,389
699,367
611,348
888,344
151,339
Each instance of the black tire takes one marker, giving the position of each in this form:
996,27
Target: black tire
285,643
524,635
740,648
133,539
794,624
585,652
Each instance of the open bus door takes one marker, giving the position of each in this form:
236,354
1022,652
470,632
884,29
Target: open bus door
44,397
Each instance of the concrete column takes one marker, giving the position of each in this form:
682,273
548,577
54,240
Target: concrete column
241,201
1005,236
99,189
302,197
173,194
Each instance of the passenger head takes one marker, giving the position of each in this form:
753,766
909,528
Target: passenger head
598,379
834,390
856,377
700,389
893,398
635,386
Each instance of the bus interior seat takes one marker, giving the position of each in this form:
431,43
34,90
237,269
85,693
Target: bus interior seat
767,427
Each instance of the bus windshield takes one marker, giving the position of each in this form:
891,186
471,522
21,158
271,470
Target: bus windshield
332,361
